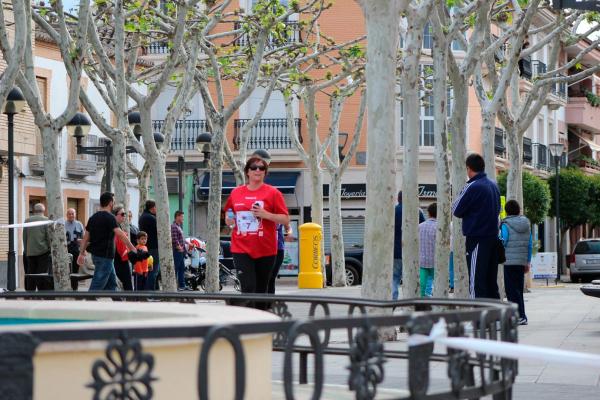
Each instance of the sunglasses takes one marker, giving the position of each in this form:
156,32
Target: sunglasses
255,167
121,214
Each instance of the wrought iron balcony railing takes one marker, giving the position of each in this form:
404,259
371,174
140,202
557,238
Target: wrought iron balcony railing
560,88
538,68
499,143
157,48
525,68
527,151
540,154
269,133
292,34
186,132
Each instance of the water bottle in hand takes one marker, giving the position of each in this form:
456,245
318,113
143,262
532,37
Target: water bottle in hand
230,215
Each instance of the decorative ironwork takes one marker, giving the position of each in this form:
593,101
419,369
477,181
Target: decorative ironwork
16,365
125,374
280,309
268,133
311,314
366,363
309,329
418,357
216,333
185,134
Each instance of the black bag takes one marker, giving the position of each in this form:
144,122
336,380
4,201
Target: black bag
500,251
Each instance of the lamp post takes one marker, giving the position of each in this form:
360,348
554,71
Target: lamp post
556,150
181,158
79,126
15,102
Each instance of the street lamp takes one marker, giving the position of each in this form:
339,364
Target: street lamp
343,139
264,154
14,104
79,126
556,150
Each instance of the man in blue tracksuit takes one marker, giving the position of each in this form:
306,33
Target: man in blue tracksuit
478,204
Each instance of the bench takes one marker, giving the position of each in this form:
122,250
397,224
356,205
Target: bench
75,278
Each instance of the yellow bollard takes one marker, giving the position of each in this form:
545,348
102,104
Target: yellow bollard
310,275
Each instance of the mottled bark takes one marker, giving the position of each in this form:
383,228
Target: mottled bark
382,20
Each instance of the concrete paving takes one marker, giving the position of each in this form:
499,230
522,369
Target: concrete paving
560,317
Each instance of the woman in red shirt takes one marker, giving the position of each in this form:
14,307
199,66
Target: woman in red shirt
258,208
122,267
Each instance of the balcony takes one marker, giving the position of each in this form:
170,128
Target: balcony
499,143
291,35
269,133
81,168
540,156
156,48
36,164
538,68
583,115
525,68
527,151
186,132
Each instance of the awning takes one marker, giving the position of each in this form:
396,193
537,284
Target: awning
588,142
284,181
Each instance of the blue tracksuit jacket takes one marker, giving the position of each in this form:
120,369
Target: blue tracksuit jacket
479,206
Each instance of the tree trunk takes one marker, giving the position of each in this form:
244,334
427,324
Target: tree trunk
143,186
514,180
459,134
338,267
382,19
442,171
213,222
156,161
488,132
119,170
61,269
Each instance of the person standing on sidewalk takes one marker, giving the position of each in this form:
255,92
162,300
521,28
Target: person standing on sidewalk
100,234
36,242
427,236
178,249
478,205
147,223
397,275
74,230
515,232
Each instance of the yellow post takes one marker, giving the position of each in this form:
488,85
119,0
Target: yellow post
310,275
502,204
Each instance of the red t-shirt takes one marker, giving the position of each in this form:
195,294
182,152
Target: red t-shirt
256,237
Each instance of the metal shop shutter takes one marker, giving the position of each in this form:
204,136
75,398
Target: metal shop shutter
352,228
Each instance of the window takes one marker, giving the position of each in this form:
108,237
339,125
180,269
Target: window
427,37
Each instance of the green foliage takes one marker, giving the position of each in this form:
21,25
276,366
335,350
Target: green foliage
574,197
594,206
536,196
593,99
592,16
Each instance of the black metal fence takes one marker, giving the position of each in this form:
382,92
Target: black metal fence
186,132
269,133
469,375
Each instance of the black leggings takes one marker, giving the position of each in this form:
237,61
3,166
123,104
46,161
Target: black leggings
276,267
254,275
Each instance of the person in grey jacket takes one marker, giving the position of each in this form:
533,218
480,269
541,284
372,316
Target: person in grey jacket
515,232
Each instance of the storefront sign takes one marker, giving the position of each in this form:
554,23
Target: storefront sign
543,265
359,191
349,191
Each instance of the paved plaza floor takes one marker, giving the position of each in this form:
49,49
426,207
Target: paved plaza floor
559,317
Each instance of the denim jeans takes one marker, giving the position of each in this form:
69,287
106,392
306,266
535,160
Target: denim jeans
153,275
104,274
397,277
178,257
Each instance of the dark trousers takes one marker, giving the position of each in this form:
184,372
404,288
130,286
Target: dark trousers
74,268
254,275
482,262
123,271
278,262
178,258
139,281
152,279
41,264
514,280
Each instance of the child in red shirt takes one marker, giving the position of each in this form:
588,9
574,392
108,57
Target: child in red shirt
140,268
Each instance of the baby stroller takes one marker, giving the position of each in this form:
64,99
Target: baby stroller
195,267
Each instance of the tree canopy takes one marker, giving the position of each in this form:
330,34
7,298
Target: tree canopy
574,197
536,196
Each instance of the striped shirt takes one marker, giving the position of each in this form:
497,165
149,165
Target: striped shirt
427,231
177,237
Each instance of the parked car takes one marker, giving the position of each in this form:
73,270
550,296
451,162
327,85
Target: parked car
354,265
584,261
